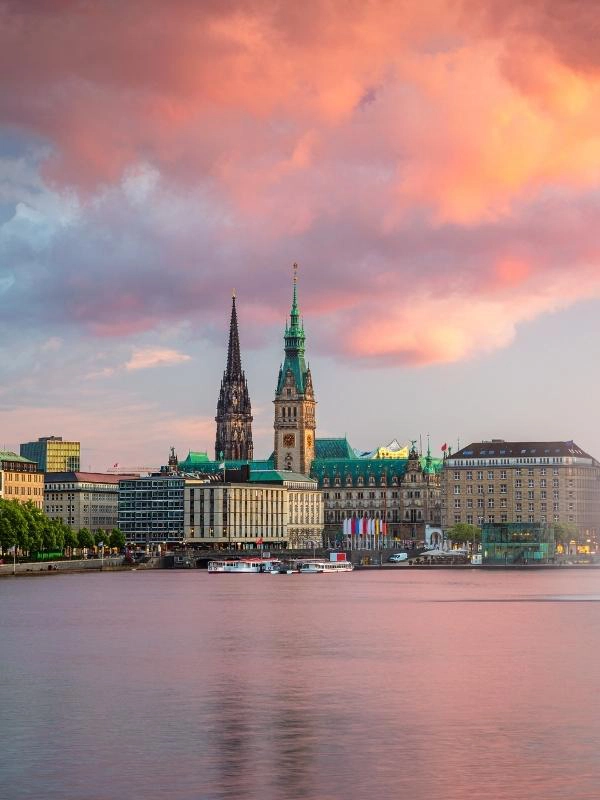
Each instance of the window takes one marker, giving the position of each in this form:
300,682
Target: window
457,476
457,490
480,502
469,519
469,504
503,488
491,502
518,484
480,490
503,518
469,490
502,474
480,476
490,488
457,503
490,475
469,476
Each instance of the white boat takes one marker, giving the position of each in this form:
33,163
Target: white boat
313,567
244,565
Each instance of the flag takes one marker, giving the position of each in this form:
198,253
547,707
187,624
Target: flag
222,466
115,465
444,447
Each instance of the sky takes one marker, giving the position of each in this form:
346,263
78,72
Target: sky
433,167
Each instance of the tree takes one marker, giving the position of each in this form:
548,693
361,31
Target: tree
85,538
117,539
100,537
13,524
463,532
71,540
566,532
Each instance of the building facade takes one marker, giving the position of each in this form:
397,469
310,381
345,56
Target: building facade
522,482
295,404
234,412
83,499
271,509
52,454
20,479
151,509
400,495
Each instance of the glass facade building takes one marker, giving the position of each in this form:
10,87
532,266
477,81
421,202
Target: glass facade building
151,509
52,454
517,543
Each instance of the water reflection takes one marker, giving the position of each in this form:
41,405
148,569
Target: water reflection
185,687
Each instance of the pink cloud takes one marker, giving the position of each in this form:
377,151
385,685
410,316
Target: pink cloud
414,158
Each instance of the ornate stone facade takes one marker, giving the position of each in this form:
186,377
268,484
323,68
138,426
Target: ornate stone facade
234,412
295,402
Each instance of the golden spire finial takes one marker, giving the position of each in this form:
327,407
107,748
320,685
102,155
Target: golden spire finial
295,272
233,294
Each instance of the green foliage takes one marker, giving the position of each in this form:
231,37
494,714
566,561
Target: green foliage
463,532
100,537
565,532
70,537
85,538
117,539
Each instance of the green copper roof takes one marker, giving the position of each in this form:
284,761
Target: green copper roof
294,346
211,467
334,448
276,476
194,460
8,455
366,467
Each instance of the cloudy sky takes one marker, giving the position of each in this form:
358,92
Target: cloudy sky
434,167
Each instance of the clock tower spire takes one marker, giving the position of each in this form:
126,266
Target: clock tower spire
294,399
234,412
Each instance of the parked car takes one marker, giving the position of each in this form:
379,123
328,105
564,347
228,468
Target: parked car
395,558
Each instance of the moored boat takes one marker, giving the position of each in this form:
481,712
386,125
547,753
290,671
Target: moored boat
314,567
244,565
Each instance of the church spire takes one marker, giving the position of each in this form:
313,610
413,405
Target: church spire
234,359
234,412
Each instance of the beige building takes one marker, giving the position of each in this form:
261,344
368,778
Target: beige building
83,499
20,479
52,454
275,509
500,481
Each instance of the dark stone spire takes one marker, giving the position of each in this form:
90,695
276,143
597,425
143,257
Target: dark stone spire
234,412
234,359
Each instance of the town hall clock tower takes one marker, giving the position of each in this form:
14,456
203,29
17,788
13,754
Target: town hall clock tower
294,400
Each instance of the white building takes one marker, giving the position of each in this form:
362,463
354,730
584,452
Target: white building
273,508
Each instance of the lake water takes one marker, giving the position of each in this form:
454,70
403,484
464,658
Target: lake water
433,685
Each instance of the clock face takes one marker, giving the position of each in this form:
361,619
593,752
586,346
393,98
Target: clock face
289,440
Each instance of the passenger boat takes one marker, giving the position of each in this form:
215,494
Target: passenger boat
313,567
244,565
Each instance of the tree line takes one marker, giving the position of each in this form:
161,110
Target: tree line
26,527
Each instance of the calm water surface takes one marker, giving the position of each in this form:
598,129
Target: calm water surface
425,686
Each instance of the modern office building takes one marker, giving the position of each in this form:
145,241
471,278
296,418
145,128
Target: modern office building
266,507
83,499
522,482
52,454
20,479
151,508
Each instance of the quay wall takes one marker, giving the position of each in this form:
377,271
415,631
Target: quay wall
55,567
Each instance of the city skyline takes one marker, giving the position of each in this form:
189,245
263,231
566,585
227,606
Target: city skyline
434,172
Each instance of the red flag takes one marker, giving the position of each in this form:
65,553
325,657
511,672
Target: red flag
444,447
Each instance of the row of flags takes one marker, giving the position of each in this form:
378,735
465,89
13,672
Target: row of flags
364,526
